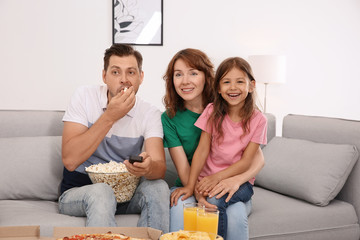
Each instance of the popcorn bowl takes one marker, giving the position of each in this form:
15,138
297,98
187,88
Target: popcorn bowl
123,183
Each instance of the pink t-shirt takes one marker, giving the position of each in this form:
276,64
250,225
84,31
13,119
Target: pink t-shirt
232,147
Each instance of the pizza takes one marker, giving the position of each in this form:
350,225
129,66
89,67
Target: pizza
100,236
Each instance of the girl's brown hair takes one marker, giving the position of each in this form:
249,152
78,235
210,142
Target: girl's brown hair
197,60
221,106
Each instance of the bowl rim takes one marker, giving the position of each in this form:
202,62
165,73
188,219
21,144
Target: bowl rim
106,173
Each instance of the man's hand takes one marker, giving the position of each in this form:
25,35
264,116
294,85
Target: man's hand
140,168
121,104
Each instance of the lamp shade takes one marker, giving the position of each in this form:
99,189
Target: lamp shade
268,68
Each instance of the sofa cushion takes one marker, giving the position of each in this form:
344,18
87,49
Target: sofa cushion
33,169
278,217
314,172
46,215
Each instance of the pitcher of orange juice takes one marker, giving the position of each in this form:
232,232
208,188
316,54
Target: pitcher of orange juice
190,215
207,220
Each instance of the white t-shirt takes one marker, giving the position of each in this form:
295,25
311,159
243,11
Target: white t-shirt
127,135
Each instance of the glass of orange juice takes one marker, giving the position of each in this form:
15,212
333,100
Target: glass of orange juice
190,215
207,220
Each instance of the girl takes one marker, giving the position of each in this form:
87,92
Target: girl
232,130
189,79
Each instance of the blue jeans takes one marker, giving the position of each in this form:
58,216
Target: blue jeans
243,194
97,202
237,213
176,213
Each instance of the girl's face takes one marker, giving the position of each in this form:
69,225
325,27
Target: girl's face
189,82
235,86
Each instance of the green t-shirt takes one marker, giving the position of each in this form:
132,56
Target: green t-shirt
181,131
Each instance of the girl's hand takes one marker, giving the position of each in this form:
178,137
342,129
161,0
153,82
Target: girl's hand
229,185
186,191
202,200
207,184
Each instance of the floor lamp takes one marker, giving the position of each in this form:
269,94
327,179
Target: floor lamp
268,69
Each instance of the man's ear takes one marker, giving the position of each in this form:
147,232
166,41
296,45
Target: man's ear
104,76
141,77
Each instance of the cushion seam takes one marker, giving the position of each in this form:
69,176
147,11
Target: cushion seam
307,231
346,172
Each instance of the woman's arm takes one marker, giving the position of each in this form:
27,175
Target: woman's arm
197,164
241,166
232,184
181,163
182,166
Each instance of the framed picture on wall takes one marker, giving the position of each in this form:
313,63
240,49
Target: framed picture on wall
138,22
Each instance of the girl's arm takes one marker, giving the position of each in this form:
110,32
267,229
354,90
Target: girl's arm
251,152
197,164
232,184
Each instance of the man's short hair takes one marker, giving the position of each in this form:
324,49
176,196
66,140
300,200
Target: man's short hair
122,50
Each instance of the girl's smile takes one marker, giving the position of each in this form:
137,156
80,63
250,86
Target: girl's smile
233,95
235,87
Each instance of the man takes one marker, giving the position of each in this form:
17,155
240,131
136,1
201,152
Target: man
110,122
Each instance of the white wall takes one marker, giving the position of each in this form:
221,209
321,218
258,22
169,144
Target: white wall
50,47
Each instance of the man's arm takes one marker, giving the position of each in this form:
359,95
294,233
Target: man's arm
155,148
79,141
154,163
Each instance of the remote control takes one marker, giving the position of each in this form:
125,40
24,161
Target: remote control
133,159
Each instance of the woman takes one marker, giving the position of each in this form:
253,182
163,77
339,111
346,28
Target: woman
188,79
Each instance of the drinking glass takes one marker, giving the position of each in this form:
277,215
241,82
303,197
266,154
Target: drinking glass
207,220
190,215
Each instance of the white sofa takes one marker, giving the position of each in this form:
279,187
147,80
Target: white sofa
31,171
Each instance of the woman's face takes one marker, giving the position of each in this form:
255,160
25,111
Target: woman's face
189,82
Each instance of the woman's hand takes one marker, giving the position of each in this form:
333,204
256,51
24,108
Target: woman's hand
207,183
229,185
202,200
186,191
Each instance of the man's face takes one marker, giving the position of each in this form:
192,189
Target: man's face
122,72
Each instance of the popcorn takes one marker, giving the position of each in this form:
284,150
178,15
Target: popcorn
111,167
117,176
125,89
